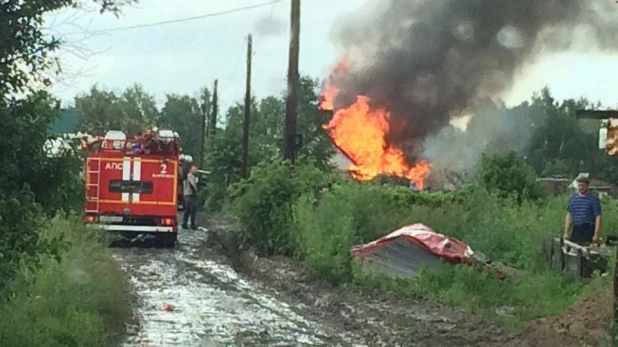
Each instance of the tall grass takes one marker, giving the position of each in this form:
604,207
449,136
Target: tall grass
324,226
79,297
503,229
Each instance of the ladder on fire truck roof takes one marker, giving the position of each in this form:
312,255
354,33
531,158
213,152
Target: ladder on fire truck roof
90,185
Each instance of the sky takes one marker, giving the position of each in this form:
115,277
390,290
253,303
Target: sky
183,57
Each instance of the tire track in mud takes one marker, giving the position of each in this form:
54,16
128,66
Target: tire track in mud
212,304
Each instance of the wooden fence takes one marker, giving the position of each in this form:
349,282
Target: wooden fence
577,261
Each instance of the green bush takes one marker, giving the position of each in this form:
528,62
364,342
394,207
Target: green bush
215,195
325,234
354,213
80,300
20,217
263,203
33,184
504,174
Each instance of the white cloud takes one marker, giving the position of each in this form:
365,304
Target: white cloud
569,75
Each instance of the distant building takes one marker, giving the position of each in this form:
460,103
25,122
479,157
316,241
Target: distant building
602,188
67,123
555,185
340,161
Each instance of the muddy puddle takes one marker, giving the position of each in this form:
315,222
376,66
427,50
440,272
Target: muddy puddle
188,297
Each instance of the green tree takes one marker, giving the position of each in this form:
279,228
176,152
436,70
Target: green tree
132,111
556,167
266,125
183,114
317,144
265,138
139,109
506,175
560,139
269,126
102,111
224,156
23,42
30,182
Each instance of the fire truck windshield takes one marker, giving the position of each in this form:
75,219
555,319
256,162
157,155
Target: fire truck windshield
119,186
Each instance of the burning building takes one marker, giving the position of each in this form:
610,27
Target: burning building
410,67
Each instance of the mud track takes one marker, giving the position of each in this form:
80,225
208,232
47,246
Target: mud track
242,300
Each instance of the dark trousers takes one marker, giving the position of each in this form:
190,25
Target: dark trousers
190,210
582,233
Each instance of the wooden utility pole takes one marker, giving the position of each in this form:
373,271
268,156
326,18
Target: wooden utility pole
214,111
245,133
289,131
202,134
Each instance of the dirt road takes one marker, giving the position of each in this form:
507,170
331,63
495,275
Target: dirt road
211,304
273,302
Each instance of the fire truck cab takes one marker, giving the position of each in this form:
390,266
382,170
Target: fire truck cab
131,184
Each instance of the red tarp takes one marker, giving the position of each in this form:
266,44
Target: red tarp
441,246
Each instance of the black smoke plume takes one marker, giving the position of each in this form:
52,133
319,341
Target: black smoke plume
427,61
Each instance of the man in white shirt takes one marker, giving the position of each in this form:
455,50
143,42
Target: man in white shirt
190,197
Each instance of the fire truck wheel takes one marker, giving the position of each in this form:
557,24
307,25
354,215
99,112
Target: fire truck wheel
165,240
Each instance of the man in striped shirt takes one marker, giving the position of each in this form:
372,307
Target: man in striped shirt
583,214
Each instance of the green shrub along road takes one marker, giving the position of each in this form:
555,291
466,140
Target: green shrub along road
76,297
317,217
58,285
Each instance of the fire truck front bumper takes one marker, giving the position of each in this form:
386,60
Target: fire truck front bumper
135,228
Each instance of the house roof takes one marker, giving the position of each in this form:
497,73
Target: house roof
594,183
66,123
341,161
552,179
598,184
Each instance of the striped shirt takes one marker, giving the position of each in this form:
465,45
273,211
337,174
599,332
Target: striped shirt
584,208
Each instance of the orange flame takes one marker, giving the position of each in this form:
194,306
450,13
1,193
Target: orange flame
360,131
328,95
330,91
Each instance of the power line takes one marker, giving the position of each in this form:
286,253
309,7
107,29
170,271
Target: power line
179,20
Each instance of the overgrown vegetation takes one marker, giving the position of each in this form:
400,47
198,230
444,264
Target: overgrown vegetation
58,286
75,297
264,202
318,217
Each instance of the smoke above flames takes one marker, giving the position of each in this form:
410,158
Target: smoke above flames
427,62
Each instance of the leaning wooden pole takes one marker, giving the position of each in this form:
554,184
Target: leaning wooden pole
203,119
245,133
213,113
289,131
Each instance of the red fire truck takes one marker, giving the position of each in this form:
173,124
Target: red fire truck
131,184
